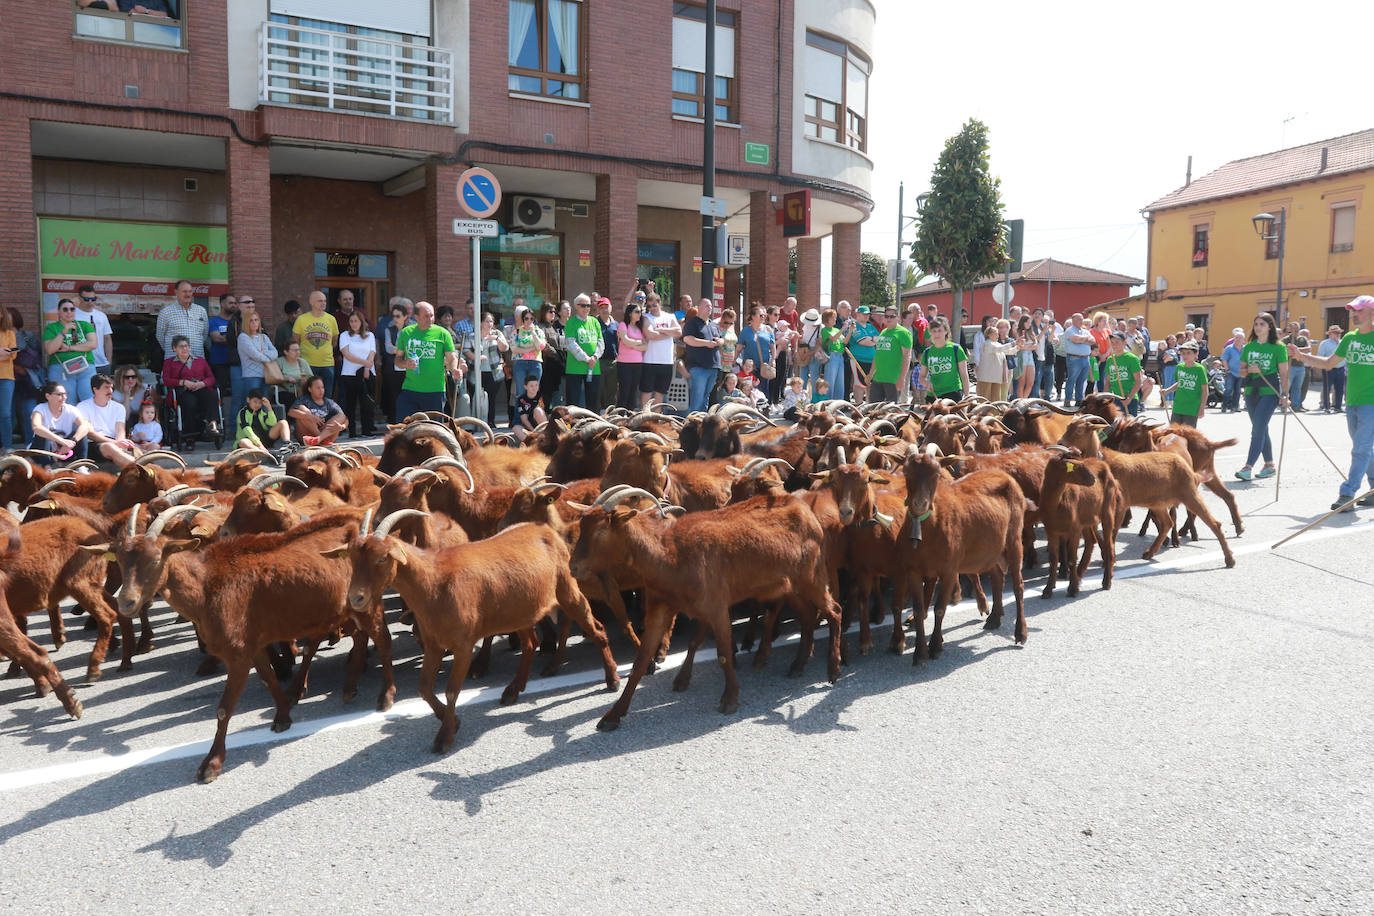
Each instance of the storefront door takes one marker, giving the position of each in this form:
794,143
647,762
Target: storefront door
370,296
367,275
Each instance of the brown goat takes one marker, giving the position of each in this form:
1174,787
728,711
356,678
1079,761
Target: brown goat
14,643
20,480
1035,421
1026,465
1080,500
245,593
463,593
703,563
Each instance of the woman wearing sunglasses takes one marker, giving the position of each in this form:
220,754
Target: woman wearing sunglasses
1357,349
69,344
130,391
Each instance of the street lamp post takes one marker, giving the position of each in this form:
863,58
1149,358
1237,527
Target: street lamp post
902,222
1272,229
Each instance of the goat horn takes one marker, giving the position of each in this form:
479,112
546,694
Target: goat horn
132,530
448,461
1057,448
411,474
356,450
157,455
864,453
261,454
934,451
165,516
54,484
80,464
319,451
752,463
383,476
367,522
618,498
445,436
538,480
642,437
586,428
606,494
14,461
263,481
839,450
479,423
175,498
771,462
385,525
572,411
1092,419
542,488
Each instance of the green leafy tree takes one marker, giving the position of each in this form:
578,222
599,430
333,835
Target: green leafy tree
874,289
961,228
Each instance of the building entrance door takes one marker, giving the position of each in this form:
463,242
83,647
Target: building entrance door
369,296
365,275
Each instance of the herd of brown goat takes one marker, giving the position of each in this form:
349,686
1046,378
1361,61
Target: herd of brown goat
718,513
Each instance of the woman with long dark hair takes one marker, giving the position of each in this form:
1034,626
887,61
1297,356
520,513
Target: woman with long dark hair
358,347
1264,372
554,355
629,361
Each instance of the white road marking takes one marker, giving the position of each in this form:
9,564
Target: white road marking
417,708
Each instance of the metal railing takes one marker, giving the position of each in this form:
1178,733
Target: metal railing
341,71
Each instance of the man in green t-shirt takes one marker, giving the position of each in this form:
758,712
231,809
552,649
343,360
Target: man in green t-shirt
891,356
1357,349
584,342
1189,388
425,352
318,332
1124,377
944,365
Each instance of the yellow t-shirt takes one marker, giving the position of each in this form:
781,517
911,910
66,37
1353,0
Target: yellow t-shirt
317,337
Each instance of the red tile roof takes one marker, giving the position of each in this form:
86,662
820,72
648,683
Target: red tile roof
1042,269
1350,153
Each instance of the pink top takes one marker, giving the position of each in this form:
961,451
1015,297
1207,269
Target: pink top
630,354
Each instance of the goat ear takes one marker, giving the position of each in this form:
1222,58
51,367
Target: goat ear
676,454
147,469
733,471
276,503
820,475
335,553
47,505
875,478
397,554
948,460
622,513
98,549
172,547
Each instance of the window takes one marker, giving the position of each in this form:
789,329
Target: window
657,260
836,91
1200,245
544,48
1199,320
689,63
1271,246
160,24
1343,227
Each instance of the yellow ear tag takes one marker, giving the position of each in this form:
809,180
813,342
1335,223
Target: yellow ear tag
1068,466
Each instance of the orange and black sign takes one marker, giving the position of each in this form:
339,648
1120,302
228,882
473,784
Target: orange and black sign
796,214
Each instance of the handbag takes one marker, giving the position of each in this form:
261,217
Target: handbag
766,370
272,374
75,365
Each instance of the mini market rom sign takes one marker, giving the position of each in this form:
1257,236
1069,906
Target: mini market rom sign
95,249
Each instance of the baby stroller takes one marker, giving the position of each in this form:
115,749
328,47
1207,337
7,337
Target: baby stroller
1216,386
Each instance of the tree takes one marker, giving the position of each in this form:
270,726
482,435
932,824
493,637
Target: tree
961,227
874,289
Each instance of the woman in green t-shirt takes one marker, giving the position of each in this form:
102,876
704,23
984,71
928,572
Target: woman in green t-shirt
1188,393
944,365
832,343
68,344
1264,373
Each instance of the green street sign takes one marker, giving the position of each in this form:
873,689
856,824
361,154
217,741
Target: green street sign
756,153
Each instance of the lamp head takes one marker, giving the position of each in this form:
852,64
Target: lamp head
1263,223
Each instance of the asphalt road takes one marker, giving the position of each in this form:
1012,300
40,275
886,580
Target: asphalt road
1197,739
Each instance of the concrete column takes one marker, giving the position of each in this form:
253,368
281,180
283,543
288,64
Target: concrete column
808,273
767,273
617,235
844,264
448,258
248,195
18,229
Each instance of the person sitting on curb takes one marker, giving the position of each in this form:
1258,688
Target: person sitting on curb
257,424
318,419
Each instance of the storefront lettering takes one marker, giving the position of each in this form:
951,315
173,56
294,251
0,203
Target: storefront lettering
200,254
71,248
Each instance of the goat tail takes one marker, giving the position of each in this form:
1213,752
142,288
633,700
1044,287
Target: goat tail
1224,443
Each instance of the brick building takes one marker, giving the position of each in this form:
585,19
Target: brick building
1043,283
275,146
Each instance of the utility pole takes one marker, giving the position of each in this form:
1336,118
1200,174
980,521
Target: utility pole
708,162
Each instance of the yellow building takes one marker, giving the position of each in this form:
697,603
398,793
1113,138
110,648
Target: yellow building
1207,265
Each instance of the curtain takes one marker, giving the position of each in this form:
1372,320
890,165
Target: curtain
521,19
563,28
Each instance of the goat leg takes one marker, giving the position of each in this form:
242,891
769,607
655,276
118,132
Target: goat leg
725,654
1226,496
481,663
31,657
357,662
213,763
57,628
806,619
1053,545
296,689
561,649
145,636
529,642
684,674
262,663
1162,520
574,607
921,588
656,621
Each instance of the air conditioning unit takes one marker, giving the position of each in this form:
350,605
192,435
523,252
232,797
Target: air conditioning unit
531,212
1161,284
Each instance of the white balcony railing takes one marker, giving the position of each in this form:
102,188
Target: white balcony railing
320,68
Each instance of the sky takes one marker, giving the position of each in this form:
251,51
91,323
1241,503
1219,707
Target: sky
1094,108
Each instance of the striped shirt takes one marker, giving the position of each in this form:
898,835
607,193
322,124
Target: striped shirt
191,323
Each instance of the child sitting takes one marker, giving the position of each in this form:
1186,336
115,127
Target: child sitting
258,423
822,391
792,398
147,432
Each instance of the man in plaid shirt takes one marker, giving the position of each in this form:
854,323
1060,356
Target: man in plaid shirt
185,319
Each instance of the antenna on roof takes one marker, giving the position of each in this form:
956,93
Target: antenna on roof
1188,178
1325,152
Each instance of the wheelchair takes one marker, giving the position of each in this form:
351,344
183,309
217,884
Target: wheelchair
174,434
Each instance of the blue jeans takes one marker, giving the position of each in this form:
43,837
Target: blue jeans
238,389
1359,419
409,402
583,390
78,385
810,372
6,413
1077,378
1333,388
699,384
1260,408
1170,372
327,373
523,369
1296,374
1044,379
834,375
1231,401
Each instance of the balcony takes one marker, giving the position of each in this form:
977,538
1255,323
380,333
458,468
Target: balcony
308,67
